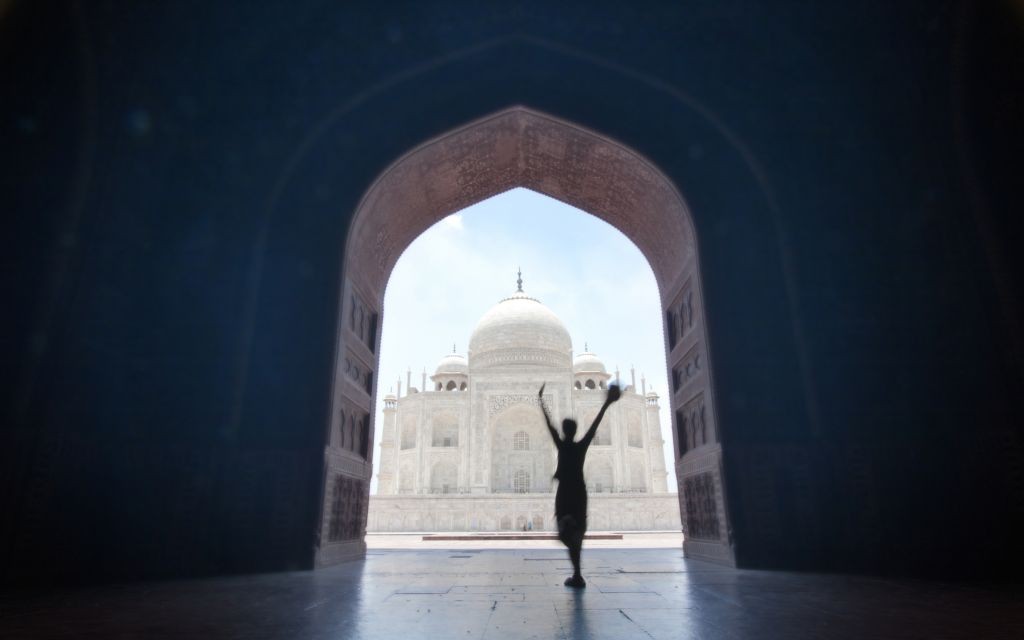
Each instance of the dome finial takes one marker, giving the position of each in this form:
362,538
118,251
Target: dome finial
586,348
519,280
453,347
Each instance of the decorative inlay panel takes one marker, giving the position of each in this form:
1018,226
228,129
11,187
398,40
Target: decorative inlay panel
687,310
363,321
687,369
358,373
691,425
681,316
353,430
498,403
348,509
539,357
701,507
672,328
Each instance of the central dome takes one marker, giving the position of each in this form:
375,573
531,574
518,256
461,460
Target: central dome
519,330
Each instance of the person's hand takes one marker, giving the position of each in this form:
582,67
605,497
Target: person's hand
614,393
540,394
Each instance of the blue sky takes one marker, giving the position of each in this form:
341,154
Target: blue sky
580,267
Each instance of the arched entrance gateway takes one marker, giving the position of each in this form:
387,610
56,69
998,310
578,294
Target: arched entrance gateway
519,147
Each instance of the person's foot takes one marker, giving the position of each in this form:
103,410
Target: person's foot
576,581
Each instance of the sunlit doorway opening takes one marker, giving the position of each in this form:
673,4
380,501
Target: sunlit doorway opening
519,147
463,454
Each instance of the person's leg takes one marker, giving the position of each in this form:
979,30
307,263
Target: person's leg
574,556
574,542
576,580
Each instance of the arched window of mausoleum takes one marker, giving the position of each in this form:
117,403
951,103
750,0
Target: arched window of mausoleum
444,478
406,479
521,481
597,473
451,385
445,432
637,475
590,384
409,432
603,437
578,385
634,432
521,441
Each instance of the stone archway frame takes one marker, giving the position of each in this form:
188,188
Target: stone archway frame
519,147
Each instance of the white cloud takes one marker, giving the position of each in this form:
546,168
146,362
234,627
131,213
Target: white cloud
454,221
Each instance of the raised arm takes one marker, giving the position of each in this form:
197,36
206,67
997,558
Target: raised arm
547,418
613,394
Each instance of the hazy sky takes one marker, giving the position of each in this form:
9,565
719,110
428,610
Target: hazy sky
580,267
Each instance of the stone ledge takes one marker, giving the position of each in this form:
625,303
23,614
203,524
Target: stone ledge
444,537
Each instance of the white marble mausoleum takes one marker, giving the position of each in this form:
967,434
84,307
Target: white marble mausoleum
472,453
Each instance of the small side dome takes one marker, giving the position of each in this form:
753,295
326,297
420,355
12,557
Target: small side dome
452,364
587,362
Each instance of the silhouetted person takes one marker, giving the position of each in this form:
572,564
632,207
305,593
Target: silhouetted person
571,495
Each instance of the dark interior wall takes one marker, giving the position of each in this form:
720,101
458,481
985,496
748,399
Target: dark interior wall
176,187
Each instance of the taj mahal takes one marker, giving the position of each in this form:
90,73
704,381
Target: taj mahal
472,453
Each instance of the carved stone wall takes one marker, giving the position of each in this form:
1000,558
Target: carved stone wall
687,369
360,374
348,505
693,424
349,452
701,507
353,429
519,147
363,321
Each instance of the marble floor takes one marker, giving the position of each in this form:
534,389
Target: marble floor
506,593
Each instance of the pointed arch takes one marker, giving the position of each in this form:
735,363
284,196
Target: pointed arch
520,147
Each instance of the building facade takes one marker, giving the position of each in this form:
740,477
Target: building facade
472,453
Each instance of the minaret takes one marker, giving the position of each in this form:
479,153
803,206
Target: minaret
389,430
408,379
632,377
399,394
656,450
424,379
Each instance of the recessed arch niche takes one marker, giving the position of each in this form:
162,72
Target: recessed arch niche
520,147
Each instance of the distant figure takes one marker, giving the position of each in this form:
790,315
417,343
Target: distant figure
571,496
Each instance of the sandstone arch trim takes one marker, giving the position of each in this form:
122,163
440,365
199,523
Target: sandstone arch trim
519,147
